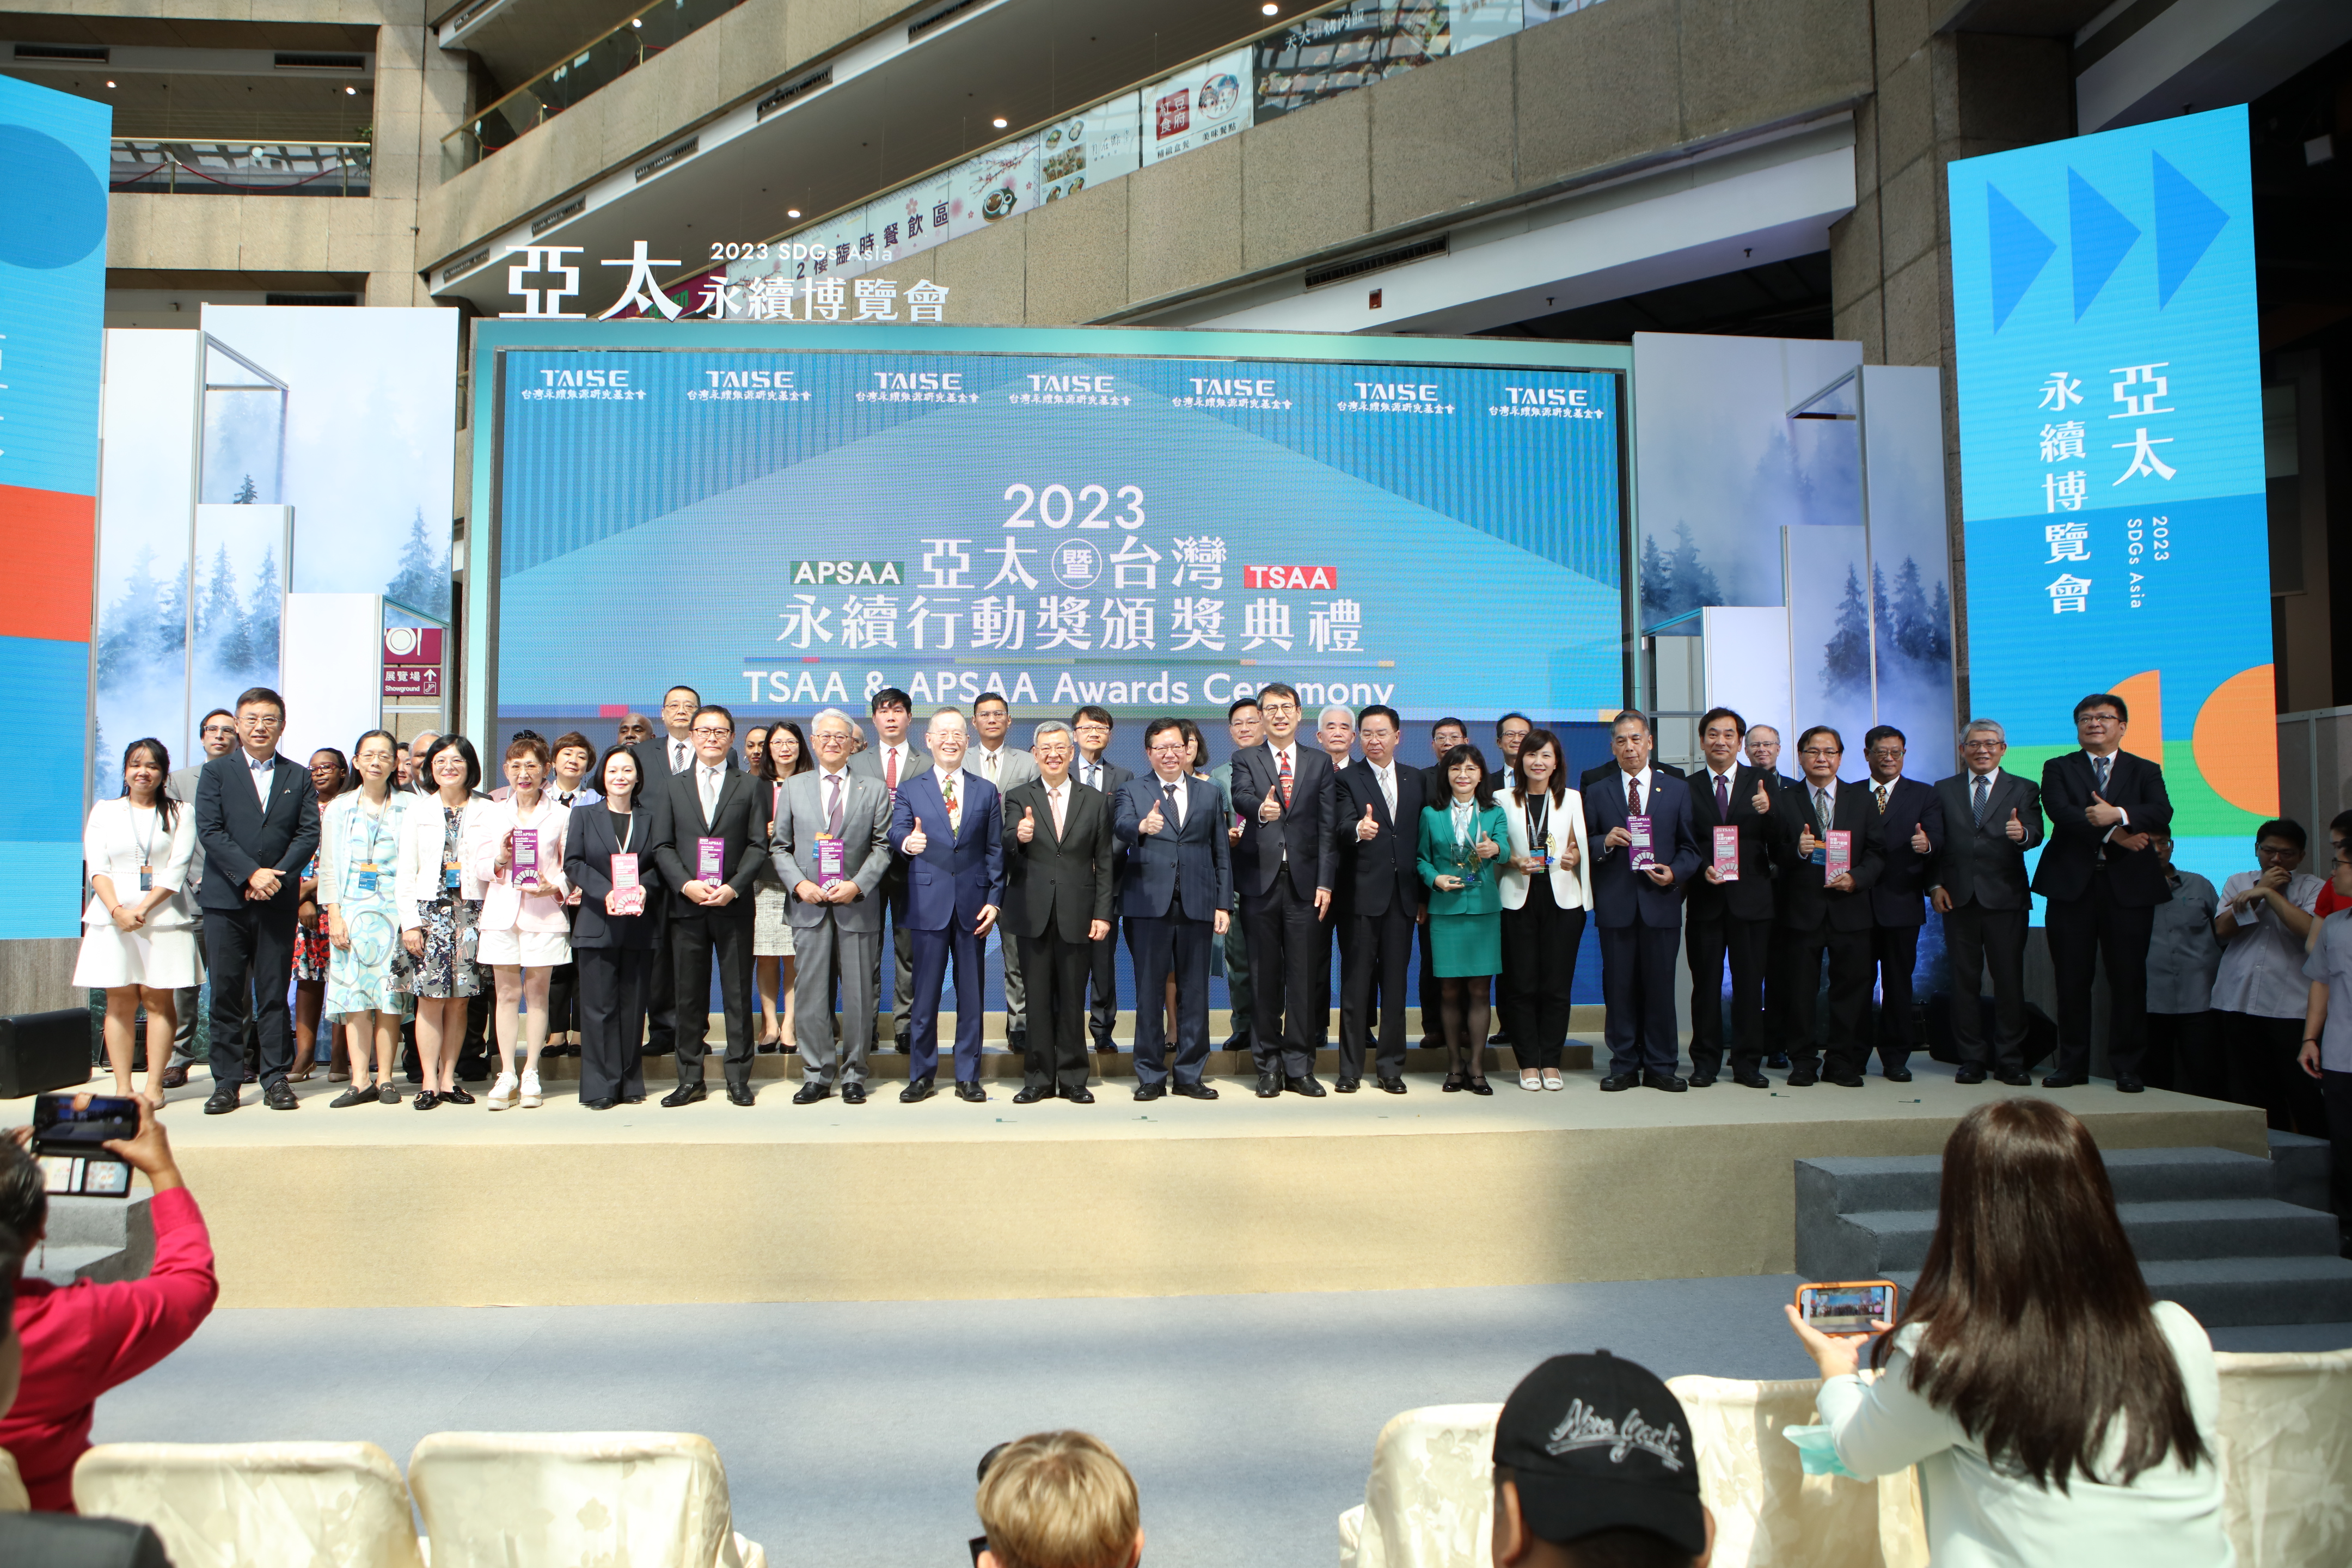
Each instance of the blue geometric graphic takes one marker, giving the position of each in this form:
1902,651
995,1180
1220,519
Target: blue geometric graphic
2018,252
2100,237
56,205
2187,220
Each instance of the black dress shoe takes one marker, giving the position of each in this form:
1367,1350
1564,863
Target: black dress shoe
917,1090
1269,1085
686,1094
1621,1082
970,1089
457,1095
1665,1080
1239,1045
1804,1075
1896,1074
768,1049
853,1094
1150,1090
1699,1081
1391,1086
176,1076
1751,1080
1970,1074
741,1094
1016,1041
2127,1083
1307,1086
1079,1095
357,1094
222,1103
279,1096
1777,1059
2063,1080
605,1104
812,1091
1846,1079
1032,1096
1347,1085
2016,1080
1105,1048
1196,1091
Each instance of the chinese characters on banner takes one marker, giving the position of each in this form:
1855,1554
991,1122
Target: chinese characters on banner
544,280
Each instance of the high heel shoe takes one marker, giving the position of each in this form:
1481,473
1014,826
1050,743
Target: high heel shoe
1454,1082
1480,1086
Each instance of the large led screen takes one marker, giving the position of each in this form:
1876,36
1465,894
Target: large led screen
789,530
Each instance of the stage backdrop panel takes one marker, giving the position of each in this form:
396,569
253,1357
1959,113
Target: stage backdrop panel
53,162
2103,297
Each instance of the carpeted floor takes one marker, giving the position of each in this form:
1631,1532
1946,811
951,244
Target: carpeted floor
850,1429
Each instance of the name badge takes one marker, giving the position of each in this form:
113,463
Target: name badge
1644,853
831,855
451,873
526,858
367,876
146,878
711,859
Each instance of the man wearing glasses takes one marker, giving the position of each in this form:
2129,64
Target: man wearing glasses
1991,819
258,819
1287,795
217,734
1910,828
2103,884
713,851
1177,892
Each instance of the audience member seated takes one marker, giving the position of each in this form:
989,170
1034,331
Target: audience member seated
48,1539
1059,1500
2055,1416
85,1339
1594,1468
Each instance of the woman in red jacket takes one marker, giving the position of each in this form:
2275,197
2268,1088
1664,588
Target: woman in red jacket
85,1339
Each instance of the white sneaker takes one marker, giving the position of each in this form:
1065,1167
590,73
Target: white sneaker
503,1092
531,1095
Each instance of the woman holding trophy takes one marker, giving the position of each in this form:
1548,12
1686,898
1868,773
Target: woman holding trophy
1547,886
1461,841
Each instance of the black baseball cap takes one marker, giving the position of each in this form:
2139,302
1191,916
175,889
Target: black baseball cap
1597,1443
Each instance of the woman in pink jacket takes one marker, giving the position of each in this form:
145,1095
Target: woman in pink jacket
514,847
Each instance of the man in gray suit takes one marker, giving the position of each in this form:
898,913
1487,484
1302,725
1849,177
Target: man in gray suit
1978,884
894,761
219,736
837,919
994,758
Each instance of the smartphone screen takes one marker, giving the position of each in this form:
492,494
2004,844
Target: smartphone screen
1846,1308
67,1144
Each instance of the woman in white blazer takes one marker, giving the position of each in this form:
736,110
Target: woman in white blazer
440,914
1547,886
139,942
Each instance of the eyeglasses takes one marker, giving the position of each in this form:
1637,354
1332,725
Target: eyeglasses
262,720
1821,751
704,730
1271,709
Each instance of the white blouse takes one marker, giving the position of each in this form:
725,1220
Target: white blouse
1982,1515
118,838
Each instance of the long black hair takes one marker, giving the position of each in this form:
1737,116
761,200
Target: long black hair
1484,791
167,810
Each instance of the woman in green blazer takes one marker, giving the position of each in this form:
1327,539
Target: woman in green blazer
1459,842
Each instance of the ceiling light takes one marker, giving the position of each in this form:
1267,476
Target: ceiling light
998,123
1270,9
110,84
351,93
636,21
791,212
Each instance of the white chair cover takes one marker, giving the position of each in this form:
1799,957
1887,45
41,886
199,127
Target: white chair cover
2286,1432
617,1500
255,1505
1767,1512
13,1497
1430,1502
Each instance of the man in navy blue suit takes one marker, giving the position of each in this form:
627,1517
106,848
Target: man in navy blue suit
1178,892
1639,910
946,822
1910,822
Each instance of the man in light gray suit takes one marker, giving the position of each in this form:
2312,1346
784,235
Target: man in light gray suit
993,757
837,924
218,735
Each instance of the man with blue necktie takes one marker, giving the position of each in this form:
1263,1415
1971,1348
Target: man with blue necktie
946,822
1177,894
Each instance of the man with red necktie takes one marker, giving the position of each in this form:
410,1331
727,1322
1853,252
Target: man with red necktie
1287,795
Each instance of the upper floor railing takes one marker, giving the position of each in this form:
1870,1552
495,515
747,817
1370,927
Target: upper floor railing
240,168
602,62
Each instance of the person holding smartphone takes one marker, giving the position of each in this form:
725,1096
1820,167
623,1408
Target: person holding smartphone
84,1340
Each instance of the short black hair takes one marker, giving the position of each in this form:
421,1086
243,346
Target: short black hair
1820,730
2102,699
681,686
215,713
465,749
1878,732
1624,1547
890,697
1712,714
1380,710
253,694
23,1195
1160,726
991,697
1091,714
2283,827
2341,823
1506,718
1236,705
713,708
623,750
1282,686
1449,719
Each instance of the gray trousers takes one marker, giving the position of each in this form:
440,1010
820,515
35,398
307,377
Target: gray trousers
1016,990
819,953
185,1001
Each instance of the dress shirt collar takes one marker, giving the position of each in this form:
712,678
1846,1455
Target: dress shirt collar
1290,751
1625,782
261,764
823,772
1990,779
947,777
1730,777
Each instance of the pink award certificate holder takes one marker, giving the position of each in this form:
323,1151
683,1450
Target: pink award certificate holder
1840,855
710,859
627,885
1644,854
525,869
830,857
1726,853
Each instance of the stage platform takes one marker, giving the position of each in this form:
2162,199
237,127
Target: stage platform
386,1205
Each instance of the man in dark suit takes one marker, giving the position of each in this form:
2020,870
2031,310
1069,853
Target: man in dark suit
1910,835
258,819
1764,755
712,852
1178,894
1060,877
2103,884
676,754
1991,819
1729,918
1639,909
1285,865
1092,727
1379,829
948,825
1443,736
1828,914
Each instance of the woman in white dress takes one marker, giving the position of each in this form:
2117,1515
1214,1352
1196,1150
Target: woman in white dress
138,944
524,933
358,859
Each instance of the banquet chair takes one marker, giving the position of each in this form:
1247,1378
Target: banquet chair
255,1505
629,1500
2285,1431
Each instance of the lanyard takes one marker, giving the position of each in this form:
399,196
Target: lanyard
628,827
146,850
1539,814
375,827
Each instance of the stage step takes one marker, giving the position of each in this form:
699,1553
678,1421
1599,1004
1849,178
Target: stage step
99,1239
996,1062
2211,1227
